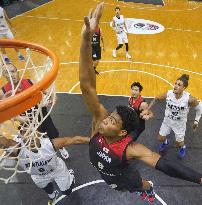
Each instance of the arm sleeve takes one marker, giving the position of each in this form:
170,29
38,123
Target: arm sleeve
178,170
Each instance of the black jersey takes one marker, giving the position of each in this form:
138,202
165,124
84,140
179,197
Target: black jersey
110,160
96,38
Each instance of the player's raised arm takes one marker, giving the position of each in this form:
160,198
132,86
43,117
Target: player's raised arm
86,71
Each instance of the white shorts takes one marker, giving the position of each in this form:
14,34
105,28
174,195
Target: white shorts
122,38
60,175
7,34
179,130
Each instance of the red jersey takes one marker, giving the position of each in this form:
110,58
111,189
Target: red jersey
24,84
109,159
135,103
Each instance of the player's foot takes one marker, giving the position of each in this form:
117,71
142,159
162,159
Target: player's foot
21,57
148,195
52,201
114,53
182,152
64,153
7,60
163,145
128,56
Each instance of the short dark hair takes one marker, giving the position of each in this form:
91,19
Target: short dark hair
138,85
117,8
129,118
185,79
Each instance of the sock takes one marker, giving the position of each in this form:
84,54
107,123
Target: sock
184,146
166,142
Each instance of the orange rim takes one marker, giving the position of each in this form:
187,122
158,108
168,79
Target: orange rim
17,104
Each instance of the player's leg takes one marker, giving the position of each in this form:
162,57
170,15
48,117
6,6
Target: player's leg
179,137
120,45
45,183
163,132
64,178
52,132
125,39
3,51
10,35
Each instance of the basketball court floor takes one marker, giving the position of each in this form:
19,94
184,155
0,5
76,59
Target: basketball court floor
157,61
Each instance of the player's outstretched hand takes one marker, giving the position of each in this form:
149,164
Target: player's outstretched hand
92,20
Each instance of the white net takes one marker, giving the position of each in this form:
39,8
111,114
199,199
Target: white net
15,78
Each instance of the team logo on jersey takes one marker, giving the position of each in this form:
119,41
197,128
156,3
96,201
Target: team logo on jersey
142,26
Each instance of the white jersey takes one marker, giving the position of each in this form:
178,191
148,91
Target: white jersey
176,109
42,162
4,28
119,24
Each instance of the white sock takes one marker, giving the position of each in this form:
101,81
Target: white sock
166,141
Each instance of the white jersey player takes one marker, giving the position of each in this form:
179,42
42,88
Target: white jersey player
118,23
5,32
178,102
40,160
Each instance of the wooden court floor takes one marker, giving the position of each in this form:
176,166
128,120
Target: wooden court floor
157,60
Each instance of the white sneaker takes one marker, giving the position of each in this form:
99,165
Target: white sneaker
114,53
128,56
64,153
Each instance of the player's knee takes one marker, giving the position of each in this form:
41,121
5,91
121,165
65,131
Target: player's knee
119,46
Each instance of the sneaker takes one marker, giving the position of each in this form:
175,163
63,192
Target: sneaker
163,146
21,57
64,153
128,56
114,53
150,193
7,60
52,201
182,152
71,172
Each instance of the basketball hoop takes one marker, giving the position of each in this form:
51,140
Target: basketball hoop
17,104
21,110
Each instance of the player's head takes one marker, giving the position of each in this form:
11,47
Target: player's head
117,11
136,89
119,123
181,84
10,72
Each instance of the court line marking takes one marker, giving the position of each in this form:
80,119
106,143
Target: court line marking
101,181
124,70
139,62
103,22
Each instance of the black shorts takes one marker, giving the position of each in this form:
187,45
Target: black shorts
96,53
130,181
48,125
